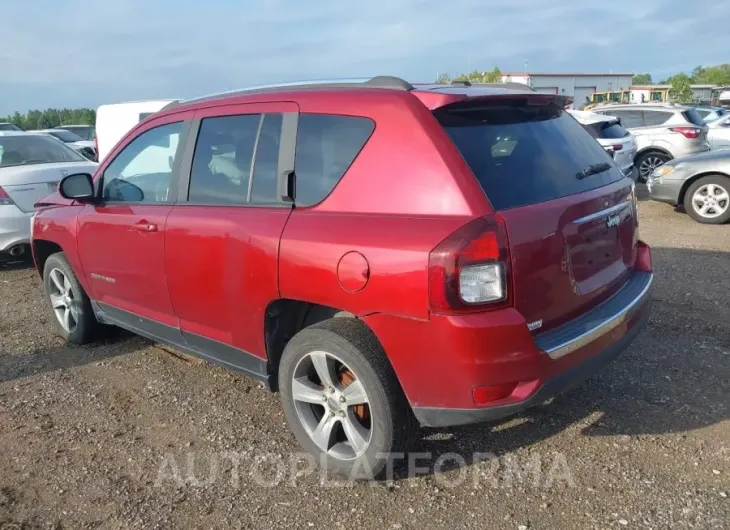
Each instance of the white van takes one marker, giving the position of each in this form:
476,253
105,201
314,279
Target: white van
115,120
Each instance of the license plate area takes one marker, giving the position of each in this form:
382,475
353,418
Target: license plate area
594,249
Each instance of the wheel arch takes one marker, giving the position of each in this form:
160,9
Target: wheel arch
651,149
42,249
695,178
285,317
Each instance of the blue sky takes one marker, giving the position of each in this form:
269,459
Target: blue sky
86,52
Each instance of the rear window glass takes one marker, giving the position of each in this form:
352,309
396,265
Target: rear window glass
692,116
655,117
703,113
523,154
606,130
30,149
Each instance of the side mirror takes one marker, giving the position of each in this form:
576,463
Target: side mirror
78,187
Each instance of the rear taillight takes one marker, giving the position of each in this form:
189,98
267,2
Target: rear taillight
687,132
5,199
469,270
617,147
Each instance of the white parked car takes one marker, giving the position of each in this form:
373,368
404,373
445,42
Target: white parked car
115,120
614,138
31,165
719,133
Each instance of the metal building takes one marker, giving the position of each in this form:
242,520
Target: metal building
578,85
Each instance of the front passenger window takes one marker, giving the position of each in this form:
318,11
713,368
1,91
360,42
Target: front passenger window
142,171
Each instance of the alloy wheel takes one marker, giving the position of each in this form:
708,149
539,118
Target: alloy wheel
332,405
63,300
649,164
710,201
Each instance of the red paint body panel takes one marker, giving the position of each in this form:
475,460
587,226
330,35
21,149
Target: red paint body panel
127,263
440,361
559,268
221,267
396,249
57,224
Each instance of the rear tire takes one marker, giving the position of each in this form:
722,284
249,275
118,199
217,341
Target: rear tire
69,304
647,162
707,200
355,414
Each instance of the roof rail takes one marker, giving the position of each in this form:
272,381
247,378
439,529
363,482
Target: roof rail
465,82
380,81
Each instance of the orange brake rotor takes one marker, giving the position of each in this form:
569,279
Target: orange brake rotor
345,377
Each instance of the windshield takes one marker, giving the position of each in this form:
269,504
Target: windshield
34,149
66,136
525,154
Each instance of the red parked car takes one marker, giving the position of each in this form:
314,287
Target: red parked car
382,254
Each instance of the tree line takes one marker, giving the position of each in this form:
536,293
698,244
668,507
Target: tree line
49,118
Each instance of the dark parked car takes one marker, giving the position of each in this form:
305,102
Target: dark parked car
383,255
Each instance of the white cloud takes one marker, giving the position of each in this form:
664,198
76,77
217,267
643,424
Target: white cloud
91,51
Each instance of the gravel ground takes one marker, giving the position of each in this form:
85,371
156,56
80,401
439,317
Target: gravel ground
122,434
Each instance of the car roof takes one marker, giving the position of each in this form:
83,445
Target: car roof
14,133
587,117
377,83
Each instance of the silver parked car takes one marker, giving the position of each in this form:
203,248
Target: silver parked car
663,131
719,133
700,183
31,165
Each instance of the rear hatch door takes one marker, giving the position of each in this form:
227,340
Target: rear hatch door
568,209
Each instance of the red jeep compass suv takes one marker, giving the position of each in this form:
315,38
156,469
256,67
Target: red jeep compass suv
383,254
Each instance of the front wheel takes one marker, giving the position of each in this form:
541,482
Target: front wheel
648,162
343,400
708,200
72,311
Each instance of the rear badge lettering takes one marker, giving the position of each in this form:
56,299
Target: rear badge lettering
532,326
613,220
103,278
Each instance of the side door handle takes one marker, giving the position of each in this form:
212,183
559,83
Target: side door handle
144,226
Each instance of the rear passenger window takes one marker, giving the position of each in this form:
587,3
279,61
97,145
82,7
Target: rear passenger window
326,147
630,118
222,159
656,117
229,152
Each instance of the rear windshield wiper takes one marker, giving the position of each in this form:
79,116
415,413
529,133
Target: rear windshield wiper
593,170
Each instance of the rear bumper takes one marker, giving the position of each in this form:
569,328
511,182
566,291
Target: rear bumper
606,318
450,357
14,226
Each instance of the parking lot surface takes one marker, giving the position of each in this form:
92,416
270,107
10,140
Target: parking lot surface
125,434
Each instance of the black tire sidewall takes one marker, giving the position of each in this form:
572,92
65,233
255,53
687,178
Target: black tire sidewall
371,463
85,326
718,180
